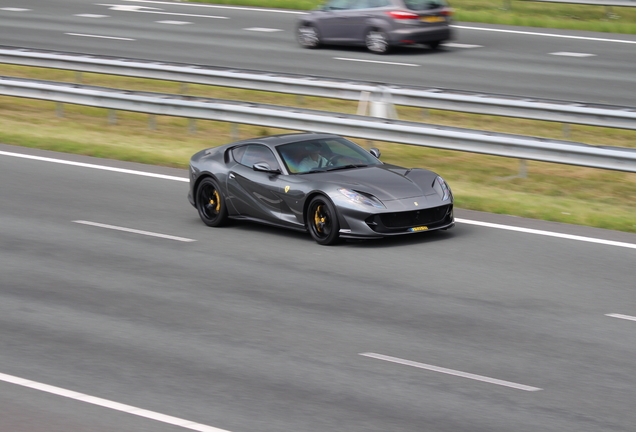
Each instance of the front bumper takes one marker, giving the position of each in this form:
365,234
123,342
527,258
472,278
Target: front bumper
400,218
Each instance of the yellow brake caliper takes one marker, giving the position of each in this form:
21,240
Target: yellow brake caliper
318,221
216,200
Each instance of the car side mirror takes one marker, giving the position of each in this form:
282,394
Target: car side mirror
375,152
264,167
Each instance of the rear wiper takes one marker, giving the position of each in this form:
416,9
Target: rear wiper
347,166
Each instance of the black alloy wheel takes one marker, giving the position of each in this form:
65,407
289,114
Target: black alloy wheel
211,203
307,36
322,221
377,42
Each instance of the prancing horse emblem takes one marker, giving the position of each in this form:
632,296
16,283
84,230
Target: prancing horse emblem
415,202
286,189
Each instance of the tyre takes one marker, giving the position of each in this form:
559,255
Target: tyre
211,203
377,42
434,44
307,36
322,221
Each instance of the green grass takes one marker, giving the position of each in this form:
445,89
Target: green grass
518,13
561,193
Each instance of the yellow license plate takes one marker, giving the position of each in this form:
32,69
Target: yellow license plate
432,19
416,229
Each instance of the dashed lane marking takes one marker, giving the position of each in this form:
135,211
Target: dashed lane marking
572,54
451,372
134,231
99,36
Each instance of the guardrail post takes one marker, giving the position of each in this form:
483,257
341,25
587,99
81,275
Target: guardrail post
234,132
523,171
566,130
152,122
363,103
59,109
192,126
112,117
184,88
383,106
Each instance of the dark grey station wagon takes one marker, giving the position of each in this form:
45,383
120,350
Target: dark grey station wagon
377,24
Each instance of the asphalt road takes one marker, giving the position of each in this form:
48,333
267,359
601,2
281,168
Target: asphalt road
249,328
540,63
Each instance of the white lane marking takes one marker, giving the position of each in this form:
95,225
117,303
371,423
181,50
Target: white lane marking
619,316
263,29
186,180
546,34
99,36
128,8
572,54
173,22
176,421
548,233
94,166
459,45
134,231
221,7
137,9
91,16
14,9
451,372
375,61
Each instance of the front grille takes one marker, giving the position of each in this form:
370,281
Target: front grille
414,218
399,221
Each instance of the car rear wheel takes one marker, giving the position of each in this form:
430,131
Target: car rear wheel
322,221
211,203
377,42
307,36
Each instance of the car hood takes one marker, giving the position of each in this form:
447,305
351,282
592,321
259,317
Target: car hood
385,183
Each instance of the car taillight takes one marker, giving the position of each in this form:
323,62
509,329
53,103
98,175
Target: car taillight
402,15
446,11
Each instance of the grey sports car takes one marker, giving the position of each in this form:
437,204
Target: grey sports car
321,183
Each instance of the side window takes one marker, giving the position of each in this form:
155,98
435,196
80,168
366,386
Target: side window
369,4
339,4
238,152
254,153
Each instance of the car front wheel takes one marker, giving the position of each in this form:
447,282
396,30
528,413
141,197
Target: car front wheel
322,221
211,203
307,36
377,42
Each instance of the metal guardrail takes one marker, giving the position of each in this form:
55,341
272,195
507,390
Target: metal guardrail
430,98
413,133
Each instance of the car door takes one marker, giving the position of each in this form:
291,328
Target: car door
253,193
334,23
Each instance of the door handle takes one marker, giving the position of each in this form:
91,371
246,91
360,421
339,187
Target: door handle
231,176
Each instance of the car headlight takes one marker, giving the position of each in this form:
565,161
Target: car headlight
359,198
441,187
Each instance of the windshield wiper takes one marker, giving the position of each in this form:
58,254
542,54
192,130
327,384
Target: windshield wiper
346,166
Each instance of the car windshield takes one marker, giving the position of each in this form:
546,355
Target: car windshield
324,154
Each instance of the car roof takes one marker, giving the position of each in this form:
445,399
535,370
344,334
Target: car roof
277,140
